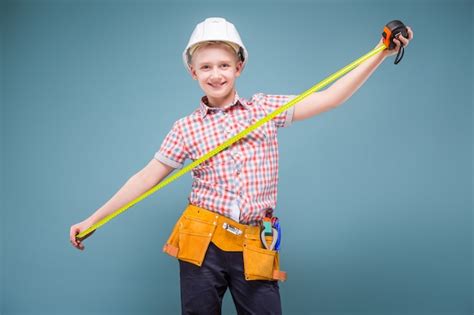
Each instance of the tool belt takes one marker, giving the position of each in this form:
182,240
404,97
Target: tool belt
197,227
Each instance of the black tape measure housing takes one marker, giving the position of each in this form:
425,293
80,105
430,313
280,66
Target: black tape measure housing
391,30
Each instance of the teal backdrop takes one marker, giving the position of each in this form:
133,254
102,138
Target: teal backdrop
375,197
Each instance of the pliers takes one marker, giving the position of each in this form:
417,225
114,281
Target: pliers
263,240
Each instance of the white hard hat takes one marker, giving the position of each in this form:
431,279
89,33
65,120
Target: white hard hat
215,29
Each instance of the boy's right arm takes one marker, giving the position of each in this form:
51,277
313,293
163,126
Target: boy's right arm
144,180
138,184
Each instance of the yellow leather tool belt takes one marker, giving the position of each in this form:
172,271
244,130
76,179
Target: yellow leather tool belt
197,227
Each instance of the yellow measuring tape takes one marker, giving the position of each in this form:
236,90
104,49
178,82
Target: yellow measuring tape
235,138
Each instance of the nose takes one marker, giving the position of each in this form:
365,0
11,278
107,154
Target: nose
215,73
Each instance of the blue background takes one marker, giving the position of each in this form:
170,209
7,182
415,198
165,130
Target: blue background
375,197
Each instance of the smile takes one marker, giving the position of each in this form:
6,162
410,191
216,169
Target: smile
217,85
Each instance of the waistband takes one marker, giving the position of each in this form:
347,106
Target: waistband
222,237
266,211
209,215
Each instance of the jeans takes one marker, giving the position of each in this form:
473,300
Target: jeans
202,288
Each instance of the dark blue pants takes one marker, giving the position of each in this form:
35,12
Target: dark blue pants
202,288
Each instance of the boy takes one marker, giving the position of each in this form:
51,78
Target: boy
238,185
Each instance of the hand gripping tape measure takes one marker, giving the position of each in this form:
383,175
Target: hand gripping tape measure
391,30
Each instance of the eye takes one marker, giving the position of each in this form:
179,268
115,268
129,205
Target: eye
226,65
204,67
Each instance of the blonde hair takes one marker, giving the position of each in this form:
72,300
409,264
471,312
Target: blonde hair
234,47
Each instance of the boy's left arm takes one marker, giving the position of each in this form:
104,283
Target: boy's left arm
343,88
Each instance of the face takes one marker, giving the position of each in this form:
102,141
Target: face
216,68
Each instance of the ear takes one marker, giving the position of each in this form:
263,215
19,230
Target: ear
238,68
193,72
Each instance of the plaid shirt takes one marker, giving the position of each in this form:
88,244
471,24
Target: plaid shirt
241,181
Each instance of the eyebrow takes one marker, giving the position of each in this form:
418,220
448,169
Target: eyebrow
208,62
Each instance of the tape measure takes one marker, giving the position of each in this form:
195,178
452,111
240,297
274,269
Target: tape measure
392,30
86,233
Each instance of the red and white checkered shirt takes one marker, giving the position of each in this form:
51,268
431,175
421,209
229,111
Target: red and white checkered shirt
241,181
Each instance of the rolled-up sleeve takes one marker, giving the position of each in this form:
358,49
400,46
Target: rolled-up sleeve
271,102
173,151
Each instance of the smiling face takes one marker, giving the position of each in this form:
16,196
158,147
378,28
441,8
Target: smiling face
215,67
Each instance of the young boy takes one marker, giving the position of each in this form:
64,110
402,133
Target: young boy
238,185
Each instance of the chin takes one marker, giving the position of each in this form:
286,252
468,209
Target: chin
219,94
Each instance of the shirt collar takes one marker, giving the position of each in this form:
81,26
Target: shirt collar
204,108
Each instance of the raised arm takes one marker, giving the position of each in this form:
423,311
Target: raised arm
345,87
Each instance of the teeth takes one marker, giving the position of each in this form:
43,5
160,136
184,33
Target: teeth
217,85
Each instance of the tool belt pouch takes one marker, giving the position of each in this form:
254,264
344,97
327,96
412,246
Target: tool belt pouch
261,263
190,237
194,231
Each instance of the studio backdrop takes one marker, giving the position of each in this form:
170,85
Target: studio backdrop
374,197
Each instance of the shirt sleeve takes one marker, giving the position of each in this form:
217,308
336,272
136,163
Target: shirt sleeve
173,150
271,102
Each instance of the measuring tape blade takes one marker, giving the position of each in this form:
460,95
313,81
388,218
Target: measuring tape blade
235,138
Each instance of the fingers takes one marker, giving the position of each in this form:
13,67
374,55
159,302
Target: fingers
400,41
395,49
403,40
410,33
79,245
72,238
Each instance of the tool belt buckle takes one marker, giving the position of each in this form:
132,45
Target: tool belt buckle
231,229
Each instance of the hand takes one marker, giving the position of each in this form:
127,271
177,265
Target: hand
397,40
76,229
